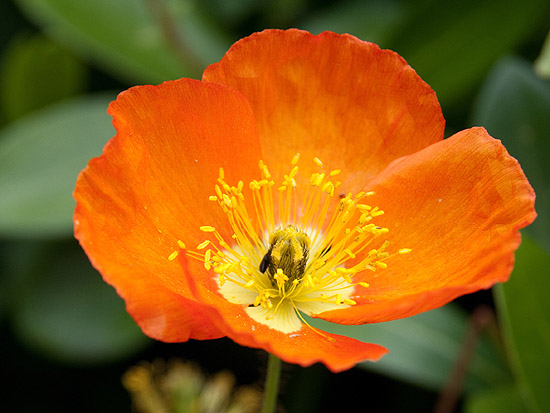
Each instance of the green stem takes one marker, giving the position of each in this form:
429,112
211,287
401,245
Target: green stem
271,387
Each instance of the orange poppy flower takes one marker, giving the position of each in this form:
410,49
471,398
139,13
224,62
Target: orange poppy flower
303,174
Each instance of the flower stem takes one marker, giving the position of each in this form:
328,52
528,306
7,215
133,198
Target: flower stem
271,387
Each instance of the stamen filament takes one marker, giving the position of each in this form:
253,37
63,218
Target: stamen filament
301,253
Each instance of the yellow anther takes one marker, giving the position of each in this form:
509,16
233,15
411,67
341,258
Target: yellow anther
364,284
203,245
381,264
319,179
339,299
221,268
213,198
173,256
313,177
349,301
335,172
326,186
227,201
404,250
318,162
363,208
280,276
207,228
181,244
295,159
265,171
221,174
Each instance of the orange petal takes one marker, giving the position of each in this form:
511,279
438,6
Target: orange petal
164,315
303,347
150,187
331,96
458,205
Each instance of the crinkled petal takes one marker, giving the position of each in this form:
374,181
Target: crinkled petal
459,205
164,315
150,187
331,96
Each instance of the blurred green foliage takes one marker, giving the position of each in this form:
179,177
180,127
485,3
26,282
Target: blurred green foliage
525,312
62,61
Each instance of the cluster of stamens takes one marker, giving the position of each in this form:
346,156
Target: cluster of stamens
293,250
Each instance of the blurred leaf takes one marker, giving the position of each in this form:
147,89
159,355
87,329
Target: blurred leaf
525,311
542,64
40,157
71,315
126,38
505,399
514,106
36,72
371,20
424,348
17,262
233,12
460,40
282,13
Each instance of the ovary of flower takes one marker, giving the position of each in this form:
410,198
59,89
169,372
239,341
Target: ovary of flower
296,250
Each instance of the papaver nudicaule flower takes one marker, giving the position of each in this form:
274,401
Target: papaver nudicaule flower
303,174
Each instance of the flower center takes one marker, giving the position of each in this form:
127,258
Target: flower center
296,250
287,254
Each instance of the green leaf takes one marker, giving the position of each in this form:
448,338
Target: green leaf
71,315
40,157
506,399
17,259
232,12
371,20
131,38
36,72
542,64
424,348
514,106
525,310
460,40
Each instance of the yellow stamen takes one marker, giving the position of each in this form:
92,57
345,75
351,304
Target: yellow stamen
296,249
173,256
